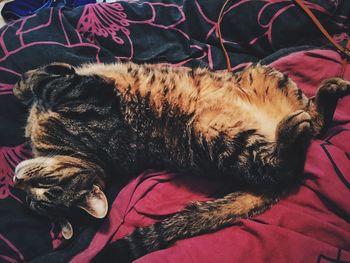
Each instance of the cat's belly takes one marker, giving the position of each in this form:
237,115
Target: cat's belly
263,116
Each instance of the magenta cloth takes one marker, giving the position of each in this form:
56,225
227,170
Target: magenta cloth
310,225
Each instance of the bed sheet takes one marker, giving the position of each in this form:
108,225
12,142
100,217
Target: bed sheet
312,224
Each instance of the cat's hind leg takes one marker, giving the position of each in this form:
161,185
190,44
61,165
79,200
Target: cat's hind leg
294,132
276,166
293,136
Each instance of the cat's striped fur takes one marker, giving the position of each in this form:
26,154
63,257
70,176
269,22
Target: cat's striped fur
91,122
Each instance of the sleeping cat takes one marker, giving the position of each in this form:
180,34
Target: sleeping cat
91,122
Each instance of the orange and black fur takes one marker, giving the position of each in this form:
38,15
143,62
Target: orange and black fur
88,123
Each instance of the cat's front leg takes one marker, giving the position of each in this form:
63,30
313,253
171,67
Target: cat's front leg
34,82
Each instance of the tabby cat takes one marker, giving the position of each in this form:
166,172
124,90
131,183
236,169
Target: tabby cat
87,123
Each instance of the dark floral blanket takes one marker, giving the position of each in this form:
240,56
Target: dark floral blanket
311,225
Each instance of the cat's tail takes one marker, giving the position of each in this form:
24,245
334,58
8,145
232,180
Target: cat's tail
195,219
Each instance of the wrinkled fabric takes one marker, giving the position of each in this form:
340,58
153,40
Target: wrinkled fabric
21,8
310,225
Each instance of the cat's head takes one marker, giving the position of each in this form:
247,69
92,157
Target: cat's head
67,114
58,183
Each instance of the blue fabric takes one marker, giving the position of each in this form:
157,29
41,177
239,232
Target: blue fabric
21,8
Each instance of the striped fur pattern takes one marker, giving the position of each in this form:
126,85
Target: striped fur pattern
88,123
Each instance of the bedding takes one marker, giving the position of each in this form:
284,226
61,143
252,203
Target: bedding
310,225
20,8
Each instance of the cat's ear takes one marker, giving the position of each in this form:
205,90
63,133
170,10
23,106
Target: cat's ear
95,203
67,229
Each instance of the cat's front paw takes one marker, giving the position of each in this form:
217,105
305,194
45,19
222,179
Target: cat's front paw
29,83
294,126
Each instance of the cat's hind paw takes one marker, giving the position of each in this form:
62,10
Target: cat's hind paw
335,87
294,126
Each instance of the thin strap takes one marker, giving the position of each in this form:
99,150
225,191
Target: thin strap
344,61
344,50
221,15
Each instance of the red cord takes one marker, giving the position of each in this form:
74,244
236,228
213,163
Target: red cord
344,61
227,58
344,51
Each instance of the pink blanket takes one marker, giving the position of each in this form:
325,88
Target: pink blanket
310,225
